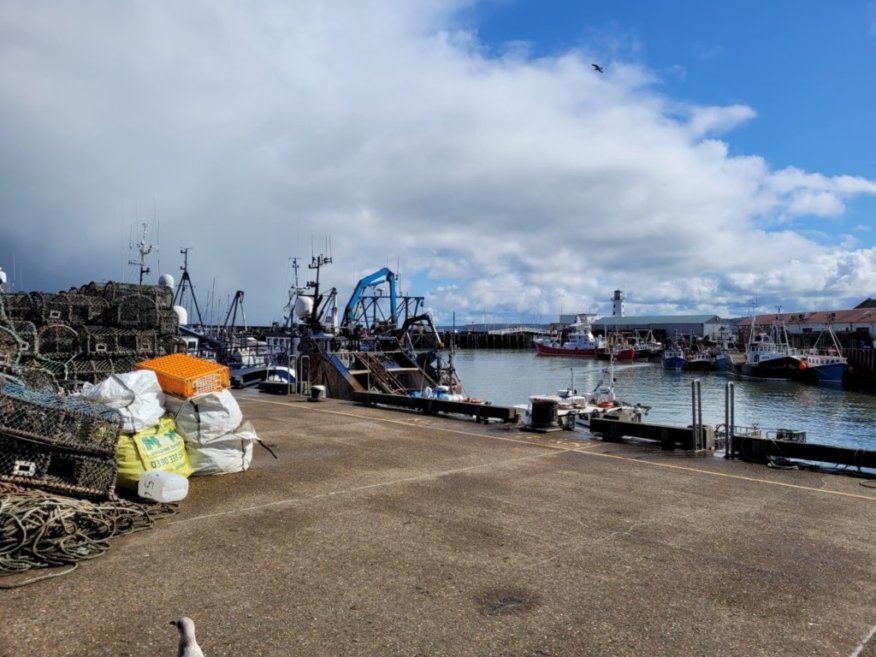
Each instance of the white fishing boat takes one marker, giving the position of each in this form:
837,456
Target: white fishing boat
769,354
574,409
574,340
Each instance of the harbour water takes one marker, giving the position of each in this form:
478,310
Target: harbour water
828,415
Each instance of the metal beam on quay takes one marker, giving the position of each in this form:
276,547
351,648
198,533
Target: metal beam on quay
481,412
668,436
762,450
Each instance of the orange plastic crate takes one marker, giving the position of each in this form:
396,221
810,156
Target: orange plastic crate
187,376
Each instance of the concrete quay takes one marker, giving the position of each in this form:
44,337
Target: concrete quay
382,533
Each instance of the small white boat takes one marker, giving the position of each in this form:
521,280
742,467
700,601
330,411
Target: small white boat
574,409
280,379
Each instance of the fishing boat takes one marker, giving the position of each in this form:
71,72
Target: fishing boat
574,409
699,360
673,357
577,339
616,349
769,354
645,346
824,361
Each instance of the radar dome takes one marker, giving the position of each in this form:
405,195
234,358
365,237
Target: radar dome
166,280
182,315
303,307
2,276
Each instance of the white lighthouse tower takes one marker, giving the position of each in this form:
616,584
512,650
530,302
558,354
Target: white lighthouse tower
617,304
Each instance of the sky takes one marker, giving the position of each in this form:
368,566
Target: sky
721,161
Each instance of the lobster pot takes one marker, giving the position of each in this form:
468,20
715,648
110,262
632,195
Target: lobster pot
66,422
27,334
10,346
52,308
98,368
57,340
53,368
168,321
39,378
84,309
107,341
134,311
91,289
170,344
160,295
21,306
49,467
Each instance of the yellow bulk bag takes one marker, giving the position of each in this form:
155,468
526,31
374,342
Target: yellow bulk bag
157,448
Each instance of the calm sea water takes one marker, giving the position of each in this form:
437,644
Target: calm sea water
828,415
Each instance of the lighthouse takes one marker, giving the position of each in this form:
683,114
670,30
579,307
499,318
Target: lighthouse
617,304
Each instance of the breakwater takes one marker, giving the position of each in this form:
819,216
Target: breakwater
485,340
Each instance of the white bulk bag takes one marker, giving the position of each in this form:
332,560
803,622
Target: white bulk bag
136,395
206,417
229,453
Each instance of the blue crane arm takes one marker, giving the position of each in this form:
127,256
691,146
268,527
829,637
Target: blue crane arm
368,281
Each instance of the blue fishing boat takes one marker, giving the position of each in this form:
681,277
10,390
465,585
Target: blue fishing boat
673,357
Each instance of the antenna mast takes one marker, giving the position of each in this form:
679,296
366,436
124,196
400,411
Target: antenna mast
185,284
144,249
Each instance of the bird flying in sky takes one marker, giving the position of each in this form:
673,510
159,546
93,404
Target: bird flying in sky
597,68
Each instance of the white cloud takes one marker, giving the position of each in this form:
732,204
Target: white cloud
516,185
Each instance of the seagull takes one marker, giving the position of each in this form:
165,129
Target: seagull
597,68
188,646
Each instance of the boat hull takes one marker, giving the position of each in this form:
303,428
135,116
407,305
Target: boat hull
827,373
618,355
699,365
673,363
784,368
551,350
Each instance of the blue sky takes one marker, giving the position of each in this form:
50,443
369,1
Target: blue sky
724,156
806,67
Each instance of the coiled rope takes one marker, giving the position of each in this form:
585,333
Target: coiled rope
41,530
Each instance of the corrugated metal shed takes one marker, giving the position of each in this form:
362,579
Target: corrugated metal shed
645,320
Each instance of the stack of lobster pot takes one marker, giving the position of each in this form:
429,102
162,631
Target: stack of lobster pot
86,334
60,444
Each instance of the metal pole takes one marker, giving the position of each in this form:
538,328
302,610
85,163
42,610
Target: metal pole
701,439
732,418
693,408
727,420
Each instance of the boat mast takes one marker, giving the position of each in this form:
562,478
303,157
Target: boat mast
144,249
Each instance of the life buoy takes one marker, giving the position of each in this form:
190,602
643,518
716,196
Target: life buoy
803,365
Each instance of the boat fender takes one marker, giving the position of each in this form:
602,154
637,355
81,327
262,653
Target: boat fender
803,365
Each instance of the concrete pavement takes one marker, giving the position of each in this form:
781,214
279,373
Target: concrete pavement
379,532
